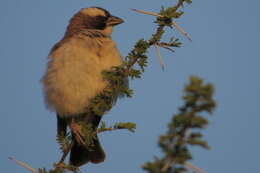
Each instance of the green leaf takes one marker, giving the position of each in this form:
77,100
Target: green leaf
129,126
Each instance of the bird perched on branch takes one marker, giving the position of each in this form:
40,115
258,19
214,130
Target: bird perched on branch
74,77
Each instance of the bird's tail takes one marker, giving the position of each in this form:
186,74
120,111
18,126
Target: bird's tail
81,154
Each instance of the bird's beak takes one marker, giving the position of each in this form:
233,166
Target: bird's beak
113,20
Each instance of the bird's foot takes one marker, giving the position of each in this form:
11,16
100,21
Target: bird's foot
60,165
75,128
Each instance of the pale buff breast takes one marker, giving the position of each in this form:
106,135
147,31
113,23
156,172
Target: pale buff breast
74,74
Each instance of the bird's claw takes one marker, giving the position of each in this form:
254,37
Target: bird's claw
75,128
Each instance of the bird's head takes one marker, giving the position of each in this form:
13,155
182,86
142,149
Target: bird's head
93,18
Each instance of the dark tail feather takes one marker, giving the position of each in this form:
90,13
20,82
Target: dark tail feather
97,154
80,154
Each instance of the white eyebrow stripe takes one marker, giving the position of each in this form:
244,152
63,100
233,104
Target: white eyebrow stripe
93,12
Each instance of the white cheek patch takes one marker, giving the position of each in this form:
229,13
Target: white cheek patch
93,12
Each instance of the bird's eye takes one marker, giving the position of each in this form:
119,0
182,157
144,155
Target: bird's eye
100,22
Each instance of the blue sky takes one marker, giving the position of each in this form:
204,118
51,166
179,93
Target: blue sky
224,51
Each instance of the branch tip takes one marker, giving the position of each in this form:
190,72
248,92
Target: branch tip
194,168
23,164
180,29
158,52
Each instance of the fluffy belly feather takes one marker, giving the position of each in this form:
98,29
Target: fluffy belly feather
74,77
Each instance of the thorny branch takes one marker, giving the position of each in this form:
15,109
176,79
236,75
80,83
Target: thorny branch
173,22
25,165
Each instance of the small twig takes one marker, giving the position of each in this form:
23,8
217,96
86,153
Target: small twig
194,168
65,153
168,164
159,56
131,64
180,4
171,163
181,30
173,22
25,165
105,129
109,129
167,48
147,12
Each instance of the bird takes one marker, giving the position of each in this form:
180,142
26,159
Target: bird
74,76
